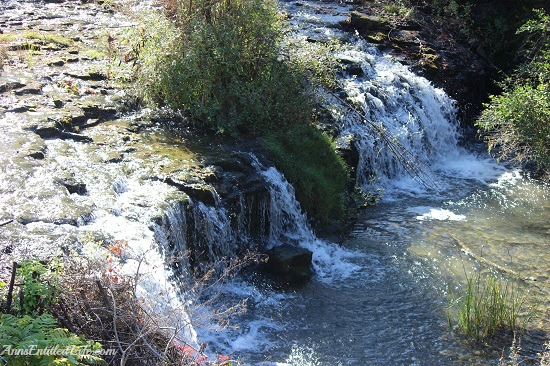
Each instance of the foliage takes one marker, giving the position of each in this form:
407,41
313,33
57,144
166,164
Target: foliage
490,307
39,287
232,67
34,329
488,26
25,336
220,62
309,161
518,120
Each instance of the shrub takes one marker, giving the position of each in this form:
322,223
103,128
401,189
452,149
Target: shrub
220,62
518,120
230,66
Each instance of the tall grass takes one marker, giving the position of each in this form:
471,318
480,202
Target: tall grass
491,307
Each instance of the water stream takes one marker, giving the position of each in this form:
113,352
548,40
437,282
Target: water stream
380,297
377,298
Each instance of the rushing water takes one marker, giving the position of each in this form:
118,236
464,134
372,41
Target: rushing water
380,297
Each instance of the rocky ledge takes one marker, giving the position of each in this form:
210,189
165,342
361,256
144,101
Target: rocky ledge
78,163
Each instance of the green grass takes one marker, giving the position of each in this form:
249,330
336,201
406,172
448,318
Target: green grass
491,307
34,35
308,159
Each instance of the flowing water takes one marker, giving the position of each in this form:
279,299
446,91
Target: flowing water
380,296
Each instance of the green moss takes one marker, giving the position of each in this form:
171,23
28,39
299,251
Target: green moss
308,159
48,38
34,35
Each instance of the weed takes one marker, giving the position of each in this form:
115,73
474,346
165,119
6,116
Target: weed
46,37
3,56
491,307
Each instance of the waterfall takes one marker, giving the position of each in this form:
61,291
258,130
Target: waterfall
412,112
193,234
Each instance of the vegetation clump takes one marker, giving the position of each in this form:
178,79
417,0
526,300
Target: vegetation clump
517,122
490,308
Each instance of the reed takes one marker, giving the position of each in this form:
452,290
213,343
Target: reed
491,307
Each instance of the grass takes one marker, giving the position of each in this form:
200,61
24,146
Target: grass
34,35
3,56
491,308
308,159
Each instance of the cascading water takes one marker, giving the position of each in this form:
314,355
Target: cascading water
406,107
406,252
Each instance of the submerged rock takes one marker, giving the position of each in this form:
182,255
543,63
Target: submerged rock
291,263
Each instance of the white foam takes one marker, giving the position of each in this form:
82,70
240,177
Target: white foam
429,213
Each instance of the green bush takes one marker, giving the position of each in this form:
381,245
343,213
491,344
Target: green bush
308,159
230,66
220,61
518,120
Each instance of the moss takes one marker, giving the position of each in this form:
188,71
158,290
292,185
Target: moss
308,159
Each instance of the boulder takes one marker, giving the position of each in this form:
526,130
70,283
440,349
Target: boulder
367,22
291,263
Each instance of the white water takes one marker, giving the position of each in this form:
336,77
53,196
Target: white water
293,328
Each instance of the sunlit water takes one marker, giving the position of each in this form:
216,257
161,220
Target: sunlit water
410,255
383,299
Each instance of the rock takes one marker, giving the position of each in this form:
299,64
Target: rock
10,85
351,66
232,164
47,132
98,111
367,22
83,75
39,155
199,192
291,263
57,62
33,89
345,145
74,186
58,103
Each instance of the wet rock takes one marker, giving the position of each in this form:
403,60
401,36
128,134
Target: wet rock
30,89
73,186
98,111
351,66
72,59
293,264
10,85
57,62
58,103
199,192
86,75
39,155
232,164
346,146
368,22
47,130
52,129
